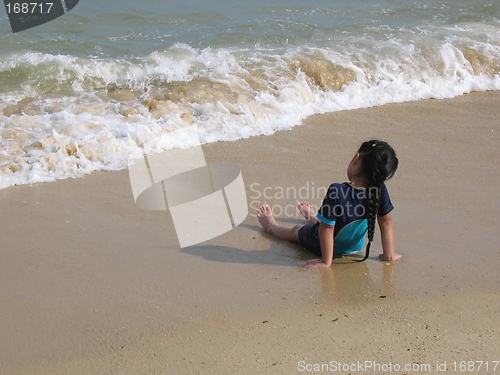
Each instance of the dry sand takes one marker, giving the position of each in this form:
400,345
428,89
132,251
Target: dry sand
90,284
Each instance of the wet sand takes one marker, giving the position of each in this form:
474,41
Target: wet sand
90,283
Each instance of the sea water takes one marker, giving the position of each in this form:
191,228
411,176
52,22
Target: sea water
83,92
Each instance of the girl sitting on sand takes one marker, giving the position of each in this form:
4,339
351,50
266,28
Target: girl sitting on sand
348,211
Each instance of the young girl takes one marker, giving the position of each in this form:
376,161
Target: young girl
349,210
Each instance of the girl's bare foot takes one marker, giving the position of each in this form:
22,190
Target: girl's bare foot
308,212
266,219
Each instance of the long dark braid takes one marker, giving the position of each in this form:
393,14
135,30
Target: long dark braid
378,164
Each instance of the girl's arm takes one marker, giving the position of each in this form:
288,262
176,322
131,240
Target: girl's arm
326,241
387,232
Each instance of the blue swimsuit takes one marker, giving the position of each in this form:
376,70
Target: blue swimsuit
343,207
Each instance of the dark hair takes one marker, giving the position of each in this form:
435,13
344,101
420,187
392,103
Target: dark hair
378,164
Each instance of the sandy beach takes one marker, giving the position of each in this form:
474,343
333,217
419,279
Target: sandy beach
91,284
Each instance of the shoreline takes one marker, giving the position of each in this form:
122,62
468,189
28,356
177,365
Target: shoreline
85,272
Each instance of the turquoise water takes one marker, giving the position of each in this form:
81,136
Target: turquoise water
98,28
84,91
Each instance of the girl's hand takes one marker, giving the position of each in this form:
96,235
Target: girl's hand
391,258
315,264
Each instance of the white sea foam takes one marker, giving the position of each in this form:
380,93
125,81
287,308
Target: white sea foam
63,116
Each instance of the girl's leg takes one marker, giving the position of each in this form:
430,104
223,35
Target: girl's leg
266,219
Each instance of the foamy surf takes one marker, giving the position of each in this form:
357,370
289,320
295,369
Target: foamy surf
64,116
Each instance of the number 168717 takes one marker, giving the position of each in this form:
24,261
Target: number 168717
29,8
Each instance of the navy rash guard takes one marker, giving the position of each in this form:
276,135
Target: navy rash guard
344,207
